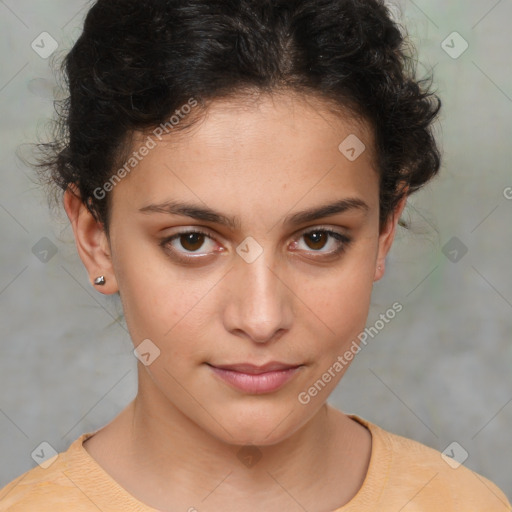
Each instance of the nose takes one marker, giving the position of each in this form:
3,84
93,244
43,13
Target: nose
260,305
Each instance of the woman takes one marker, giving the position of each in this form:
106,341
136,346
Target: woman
235,171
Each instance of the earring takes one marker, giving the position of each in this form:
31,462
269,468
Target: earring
379,267
99,281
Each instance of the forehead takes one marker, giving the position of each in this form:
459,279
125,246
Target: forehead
255,147
275,117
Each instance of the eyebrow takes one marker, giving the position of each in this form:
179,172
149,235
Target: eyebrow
209,215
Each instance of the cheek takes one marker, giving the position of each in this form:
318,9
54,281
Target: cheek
340,307
158,301
341,301
168,315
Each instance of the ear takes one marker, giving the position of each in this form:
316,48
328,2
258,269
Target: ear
91,241
386,238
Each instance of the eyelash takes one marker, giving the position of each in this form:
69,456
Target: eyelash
343,240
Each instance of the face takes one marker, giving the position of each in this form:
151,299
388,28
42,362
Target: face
222,255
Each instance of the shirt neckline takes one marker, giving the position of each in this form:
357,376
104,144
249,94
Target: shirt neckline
101,488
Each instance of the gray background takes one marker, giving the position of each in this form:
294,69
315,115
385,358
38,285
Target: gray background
439,372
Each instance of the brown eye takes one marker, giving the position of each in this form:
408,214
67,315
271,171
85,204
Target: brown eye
190,244
191,241
317,239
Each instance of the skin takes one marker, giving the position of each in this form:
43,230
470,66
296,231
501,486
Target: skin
175,446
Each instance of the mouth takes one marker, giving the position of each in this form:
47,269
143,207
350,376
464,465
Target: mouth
253,369
256,379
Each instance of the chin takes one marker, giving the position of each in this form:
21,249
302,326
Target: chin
265,425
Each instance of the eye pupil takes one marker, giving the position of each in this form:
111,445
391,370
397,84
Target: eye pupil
192,239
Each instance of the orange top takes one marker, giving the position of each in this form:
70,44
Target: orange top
403,475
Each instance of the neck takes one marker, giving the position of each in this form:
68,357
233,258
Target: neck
174,444
165,459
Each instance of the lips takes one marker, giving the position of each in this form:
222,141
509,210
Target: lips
253,379
252,369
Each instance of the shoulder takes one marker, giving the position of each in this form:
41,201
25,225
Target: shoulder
46,488
427,479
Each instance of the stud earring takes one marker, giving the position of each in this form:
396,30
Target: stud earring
99,281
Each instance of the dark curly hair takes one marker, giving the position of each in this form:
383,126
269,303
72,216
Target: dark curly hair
138,62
